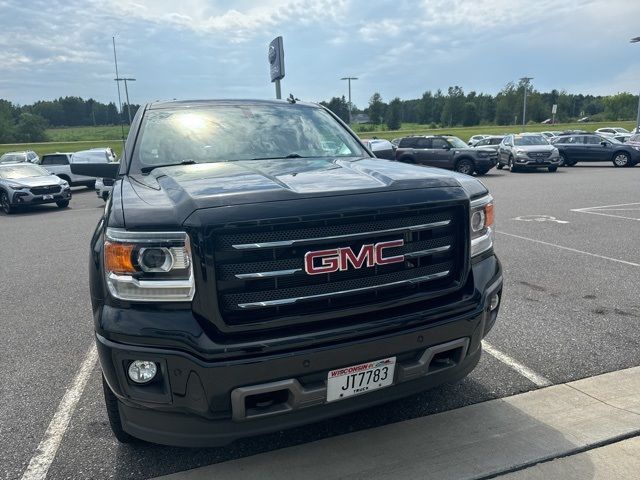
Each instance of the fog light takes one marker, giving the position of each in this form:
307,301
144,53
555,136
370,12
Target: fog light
495,301
142,371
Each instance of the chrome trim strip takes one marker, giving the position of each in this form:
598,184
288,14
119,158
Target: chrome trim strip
291,301
277,273
481,201
422,253
124,236
304,241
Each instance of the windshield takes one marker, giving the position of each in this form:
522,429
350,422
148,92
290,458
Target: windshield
621,130
456,142
524,140
22,171
13,158
227,133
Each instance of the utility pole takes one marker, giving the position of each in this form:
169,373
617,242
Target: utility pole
348,79
525,81
637,40
126,92
115,60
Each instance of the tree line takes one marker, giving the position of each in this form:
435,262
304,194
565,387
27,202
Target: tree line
28,123
457,108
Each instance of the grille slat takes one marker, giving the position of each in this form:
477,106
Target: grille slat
260,271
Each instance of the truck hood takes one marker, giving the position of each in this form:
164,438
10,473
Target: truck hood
175,192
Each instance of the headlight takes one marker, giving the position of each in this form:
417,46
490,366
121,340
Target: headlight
16,187
481,228
149,266
483,153
520,152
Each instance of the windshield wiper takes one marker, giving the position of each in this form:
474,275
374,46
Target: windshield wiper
184,162
291,155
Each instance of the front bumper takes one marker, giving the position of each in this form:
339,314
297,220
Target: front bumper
25,197
530,162
198,402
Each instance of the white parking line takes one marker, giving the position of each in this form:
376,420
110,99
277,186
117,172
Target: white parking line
570,249
610,208
46,451
523,370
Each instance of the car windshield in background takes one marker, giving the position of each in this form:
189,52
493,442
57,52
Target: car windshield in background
13,158
225,133
524,140
22,171
456,142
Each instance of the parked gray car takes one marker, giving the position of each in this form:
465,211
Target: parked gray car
24,156
24,184
527,150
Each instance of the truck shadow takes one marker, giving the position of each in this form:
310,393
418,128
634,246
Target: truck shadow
433,445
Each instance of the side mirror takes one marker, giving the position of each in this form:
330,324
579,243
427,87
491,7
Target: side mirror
604,143
102,170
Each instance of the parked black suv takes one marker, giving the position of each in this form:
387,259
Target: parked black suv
445,151
596,148
245,280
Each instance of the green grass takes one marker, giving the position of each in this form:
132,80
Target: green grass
84,134
73,139
52,147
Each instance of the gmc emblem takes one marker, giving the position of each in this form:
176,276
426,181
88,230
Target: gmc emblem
340,259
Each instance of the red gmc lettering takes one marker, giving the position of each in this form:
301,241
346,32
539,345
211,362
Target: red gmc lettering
357,261
380,260
329,261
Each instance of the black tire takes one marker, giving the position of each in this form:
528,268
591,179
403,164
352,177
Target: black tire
512,166
4,203
621,159
553,168
563,161
91,185
500,166
571,163
111,402
63,203
466,166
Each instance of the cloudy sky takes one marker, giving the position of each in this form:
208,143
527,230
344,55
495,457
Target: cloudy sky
218,49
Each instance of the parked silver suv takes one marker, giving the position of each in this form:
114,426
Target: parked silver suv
528,150
23,184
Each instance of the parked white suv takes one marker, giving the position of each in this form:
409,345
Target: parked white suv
60,164
611,131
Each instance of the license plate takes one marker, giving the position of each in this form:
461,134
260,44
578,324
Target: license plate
47,197
358,379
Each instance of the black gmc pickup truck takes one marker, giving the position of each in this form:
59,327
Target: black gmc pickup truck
256,268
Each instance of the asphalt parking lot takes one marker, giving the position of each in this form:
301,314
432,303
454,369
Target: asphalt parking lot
568,242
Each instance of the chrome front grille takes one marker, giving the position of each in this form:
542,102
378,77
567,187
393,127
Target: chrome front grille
539,155
260,266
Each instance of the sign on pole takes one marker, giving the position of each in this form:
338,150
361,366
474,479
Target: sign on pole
554,108
276,63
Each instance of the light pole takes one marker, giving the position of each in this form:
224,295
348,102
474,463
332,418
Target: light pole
126,92
525,81
637,40
348,79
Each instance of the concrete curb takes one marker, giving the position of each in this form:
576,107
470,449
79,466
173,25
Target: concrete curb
478,441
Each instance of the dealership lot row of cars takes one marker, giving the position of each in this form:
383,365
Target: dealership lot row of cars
549,150
26,179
